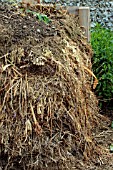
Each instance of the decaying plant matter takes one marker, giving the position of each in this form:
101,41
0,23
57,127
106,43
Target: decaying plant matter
47,107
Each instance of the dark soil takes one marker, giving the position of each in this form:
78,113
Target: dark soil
23,36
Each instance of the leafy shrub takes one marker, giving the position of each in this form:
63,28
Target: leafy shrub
102,44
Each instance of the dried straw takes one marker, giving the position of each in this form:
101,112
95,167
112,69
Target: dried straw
47,105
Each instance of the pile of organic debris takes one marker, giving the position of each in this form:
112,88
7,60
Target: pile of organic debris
47,107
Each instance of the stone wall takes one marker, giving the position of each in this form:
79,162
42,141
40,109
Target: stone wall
101,11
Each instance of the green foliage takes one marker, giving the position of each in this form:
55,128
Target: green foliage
40,17
102,44
111,148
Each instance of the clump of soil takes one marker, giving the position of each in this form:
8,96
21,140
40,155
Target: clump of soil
48,108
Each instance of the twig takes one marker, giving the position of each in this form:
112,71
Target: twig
38,128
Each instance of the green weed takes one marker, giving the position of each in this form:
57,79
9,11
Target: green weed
102,44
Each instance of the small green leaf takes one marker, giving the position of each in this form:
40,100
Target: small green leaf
28,11
112,124
40,17
111,147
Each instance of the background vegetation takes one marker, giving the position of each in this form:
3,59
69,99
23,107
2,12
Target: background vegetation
102,44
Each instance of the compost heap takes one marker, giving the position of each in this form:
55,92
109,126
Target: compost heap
47,105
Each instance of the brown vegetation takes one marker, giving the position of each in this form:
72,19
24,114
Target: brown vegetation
47,107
